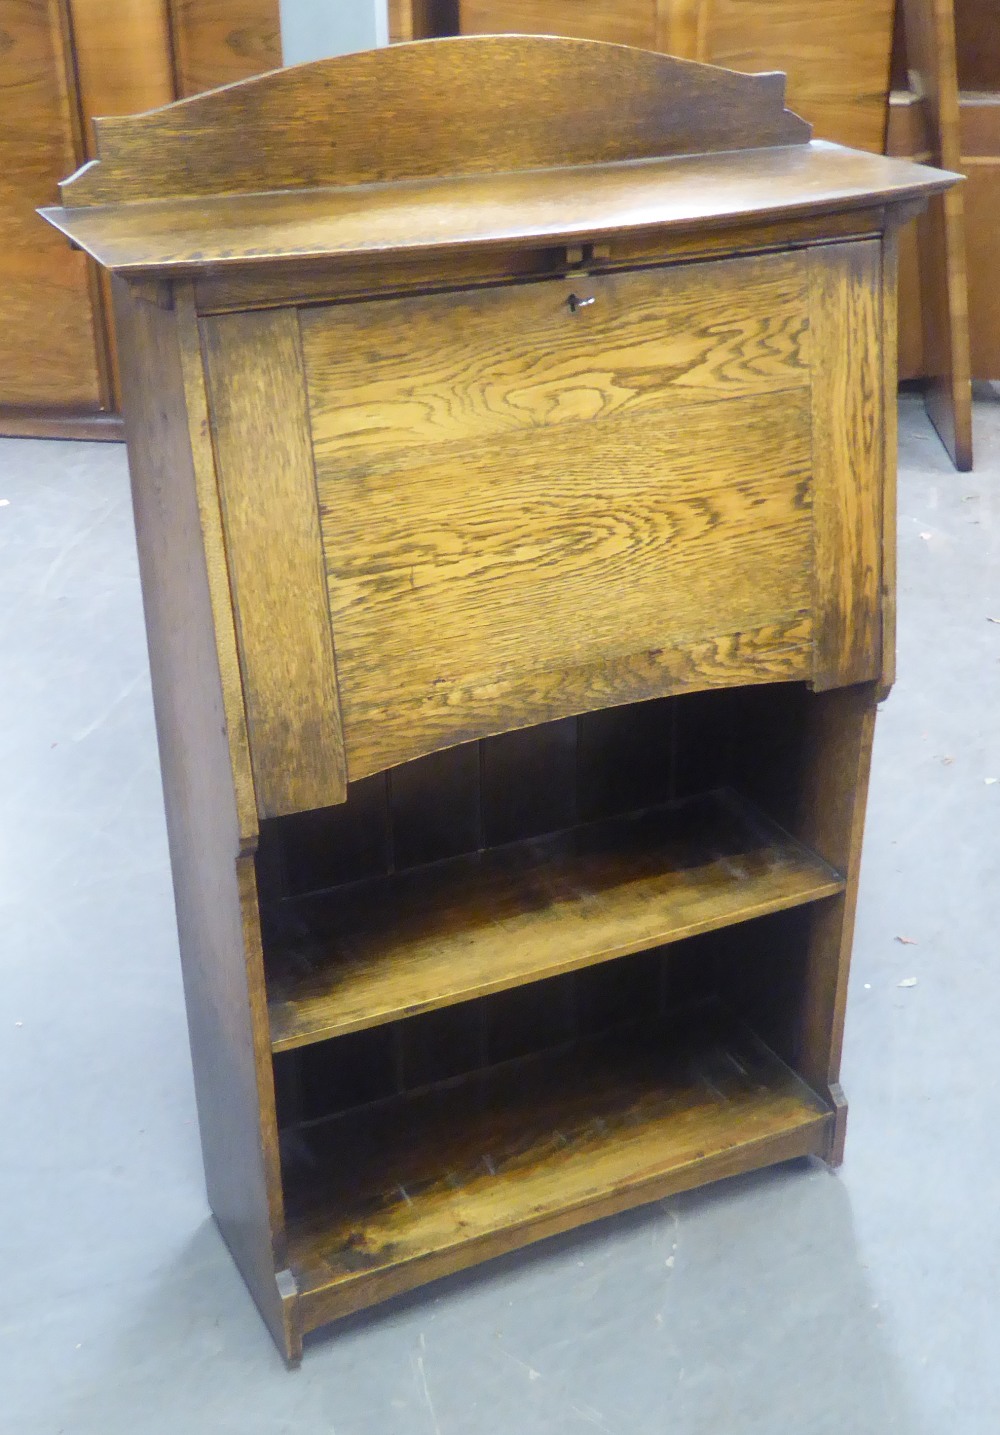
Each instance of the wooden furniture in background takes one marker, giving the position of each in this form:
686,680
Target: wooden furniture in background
835,53
517,555
977,44
924,123
61,63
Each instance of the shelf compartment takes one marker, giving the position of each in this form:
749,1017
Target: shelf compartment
394,946
392,1195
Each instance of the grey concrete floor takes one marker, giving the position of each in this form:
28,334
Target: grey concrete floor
791,1301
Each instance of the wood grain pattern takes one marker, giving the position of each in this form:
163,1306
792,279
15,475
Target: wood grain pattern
431,1184
336,279
267,487
214,550
213,875
683,27
982,224
980,161
447,216
217,42
907,137
562,102
123,63
849,420
123,58
465,593
470,522
48,353
834,52
489,921
620,22
408,373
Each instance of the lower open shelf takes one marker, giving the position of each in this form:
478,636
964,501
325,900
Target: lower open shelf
387,1197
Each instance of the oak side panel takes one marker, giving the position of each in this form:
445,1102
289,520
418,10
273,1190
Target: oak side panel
848,459
212,868
260,427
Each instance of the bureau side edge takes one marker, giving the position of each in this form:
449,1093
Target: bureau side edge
208,793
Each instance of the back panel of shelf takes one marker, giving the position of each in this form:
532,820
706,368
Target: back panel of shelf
423,819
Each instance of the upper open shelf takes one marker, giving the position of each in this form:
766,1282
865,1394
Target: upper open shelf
391,947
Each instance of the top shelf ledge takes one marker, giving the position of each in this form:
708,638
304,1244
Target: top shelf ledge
494,103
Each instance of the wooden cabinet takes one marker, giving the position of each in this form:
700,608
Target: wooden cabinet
835,53
48,343
978,67
925,122
516,525
61,63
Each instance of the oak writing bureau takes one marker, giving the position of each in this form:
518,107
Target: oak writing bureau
511,430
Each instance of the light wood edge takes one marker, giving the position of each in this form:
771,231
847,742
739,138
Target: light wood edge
832,484
890,455
216,562
275,791
319,1305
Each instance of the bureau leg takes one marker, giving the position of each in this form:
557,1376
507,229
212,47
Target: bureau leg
831,821
838,1101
